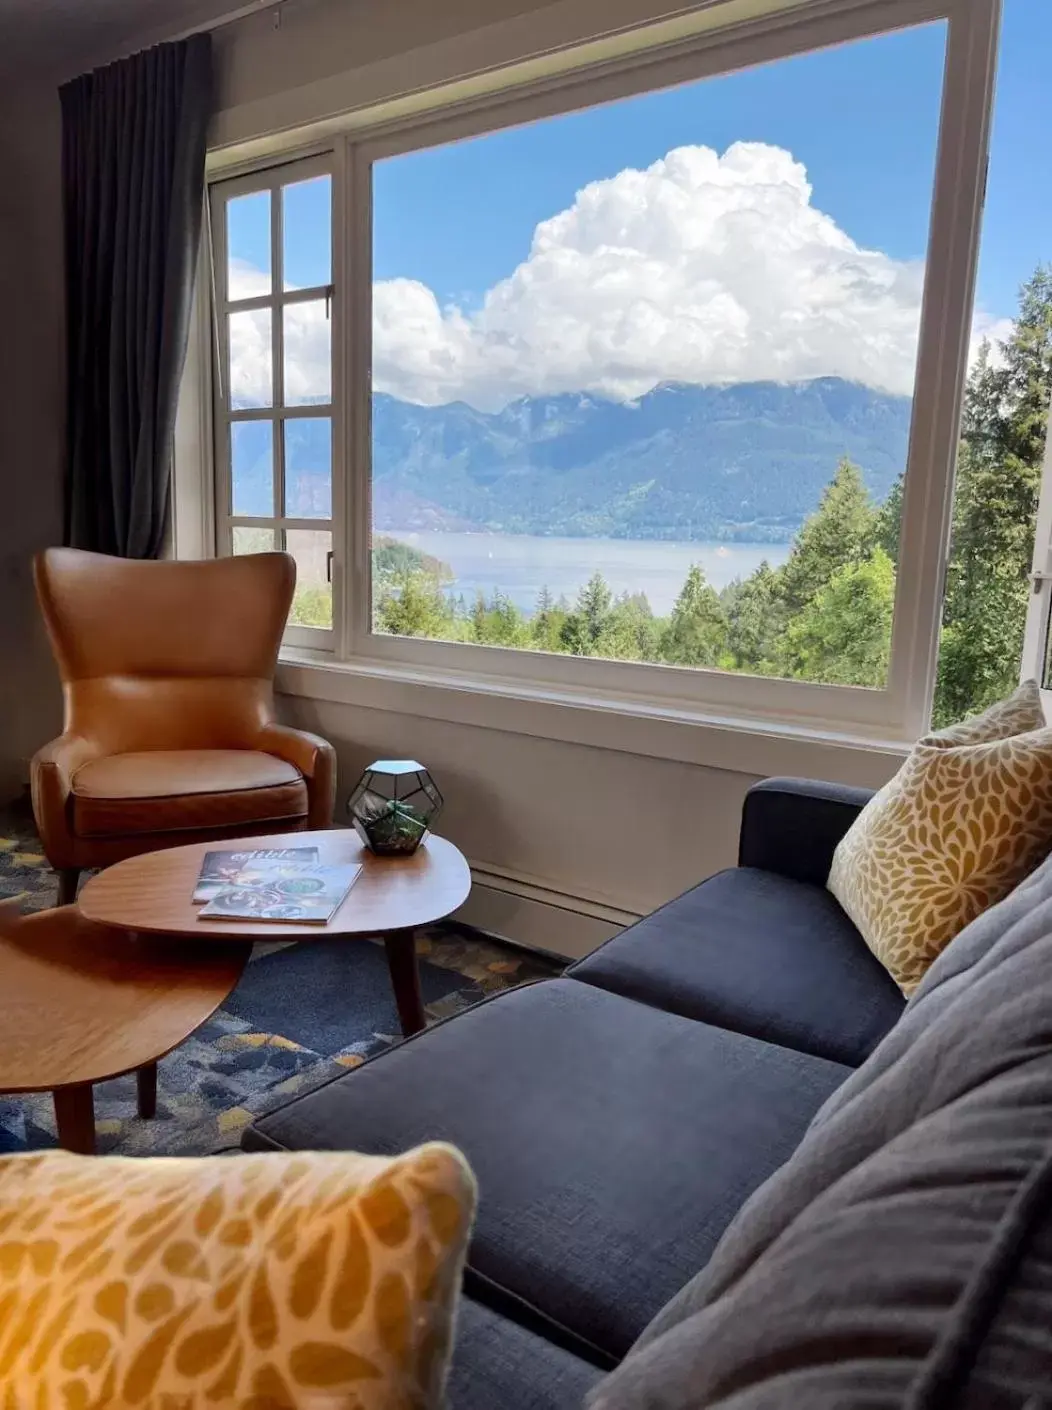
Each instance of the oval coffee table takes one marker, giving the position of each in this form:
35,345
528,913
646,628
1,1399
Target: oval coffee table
83,1003
393,896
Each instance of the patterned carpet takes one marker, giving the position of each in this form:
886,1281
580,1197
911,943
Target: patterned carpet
300,1015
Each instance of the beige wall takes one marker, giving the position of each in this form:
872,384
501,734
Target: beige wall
31,418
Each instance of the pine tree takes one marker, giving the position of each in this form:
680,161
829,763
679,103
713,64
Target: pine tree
843,635
697,632
995,509
755,620
839,532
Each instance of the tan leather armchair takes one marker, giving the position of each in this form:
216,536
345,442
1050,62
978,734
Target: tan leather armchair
167,675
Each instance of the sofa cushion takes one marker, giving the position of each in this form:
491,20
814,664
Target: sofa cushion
761,954
498,1363
979,1019
921,1276
176,790
612,1143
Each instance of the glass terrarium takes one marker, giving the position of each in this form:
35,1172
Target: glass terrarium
393,806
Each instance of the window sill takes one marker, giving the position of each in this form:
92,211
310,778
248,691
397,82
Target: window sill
595,720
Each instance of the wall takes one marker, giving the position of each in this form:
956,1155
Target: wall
31,418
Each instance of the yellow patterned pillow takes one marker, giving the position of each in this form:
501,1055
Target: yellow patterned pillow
965,819
270,1281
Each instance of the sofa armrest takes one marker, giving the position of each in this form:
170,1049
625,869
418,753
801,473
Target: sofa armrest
792,825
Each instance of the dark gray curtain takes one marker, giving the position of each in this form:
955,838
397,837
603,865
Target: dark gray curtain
133,164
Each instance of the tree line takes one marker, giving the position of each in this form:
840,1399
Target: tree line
826,613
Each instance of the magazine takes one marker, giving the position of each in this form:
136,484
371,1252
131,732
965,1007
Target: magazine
221,869
279,891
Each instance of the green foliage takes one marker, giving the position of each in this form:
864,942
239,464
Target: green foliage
843,634
697,633
841,530
755,613
995,509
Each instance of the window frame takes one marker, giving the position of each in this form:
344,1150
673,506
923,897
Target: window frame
272,178
900,710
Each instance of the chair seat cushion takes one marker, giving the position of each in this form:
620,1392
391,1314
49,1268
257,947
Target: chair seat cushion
174,791
761,954
612,1144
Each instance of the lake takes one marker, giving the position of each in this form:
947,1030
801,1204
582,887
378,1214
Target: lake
520,565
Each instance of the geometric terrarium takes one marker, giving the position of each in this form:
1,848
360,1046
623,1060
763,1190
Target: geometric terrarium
393,806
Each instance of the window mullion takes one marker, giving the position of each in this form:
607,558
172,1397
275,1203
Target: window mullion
277,343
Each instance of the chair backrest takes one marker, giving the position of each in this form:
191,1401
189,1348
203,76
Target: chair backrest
165,655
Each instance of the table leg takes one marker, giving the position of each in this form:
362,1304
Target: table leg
147,1080
75,1118
405,977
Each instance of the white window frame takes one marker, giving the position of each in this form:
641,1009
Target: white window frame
272,178
895,713
1037,638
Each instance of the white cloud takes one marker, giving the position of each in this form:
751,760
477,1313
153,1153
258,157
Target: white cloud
702,268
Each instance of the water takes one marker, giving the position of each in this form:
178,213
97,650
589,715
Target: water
520,565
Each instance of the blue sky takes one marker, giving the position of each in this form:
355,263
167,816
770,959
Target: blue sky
862,118
721,264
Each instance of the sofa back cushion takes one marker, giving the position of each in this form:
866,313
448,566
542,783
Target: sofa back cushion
858,1263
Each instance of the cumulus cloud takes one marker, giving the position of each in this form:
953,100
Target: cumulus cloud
703,268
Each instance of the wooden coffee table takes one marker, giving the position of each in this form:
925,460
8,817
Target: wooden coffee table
83,1003
152,894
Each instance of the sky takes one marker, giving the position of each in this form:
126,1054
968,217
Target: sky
771,223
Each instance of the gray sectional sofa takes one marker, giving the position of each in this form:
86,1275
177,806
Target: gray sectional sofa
725,1141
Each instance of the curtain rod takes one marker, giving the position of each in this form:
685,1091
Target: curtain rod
228,17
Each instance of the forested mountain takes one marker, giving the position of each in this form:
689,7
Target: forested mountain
746,462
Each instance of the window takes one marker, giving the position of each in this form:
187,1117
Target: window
667,422
272,238
620,384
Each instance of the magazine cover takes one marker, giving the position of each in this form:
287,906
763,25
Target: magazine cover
276,891
220,869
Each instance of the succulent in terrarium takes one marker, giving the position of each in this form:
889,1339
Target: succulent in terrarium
394,805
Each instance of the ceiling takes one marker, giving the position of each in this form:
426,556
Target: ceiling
60,38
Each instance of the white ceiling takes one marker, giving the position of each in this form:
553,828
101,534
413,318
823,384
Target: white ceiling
60,38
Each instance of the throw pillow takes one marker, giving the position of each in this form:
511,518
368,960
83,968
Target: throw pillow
268,1280
965,819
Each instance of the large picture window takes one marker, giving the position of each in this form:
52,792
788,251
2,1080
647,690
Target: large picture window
642,384
669,420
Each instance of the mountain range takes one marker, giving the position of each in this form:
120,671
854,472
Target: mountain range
745,462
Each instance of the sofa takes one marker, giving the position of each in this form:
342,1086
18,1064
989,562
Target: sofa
721,1162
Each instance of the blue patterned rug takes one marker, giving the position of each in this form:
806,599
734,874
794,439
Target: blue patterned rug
300,1015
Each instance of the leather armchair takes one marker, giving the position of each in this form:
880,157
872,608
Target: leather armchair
167,674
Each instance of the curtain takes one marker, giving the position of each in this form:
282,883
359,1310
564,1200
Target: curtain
133,163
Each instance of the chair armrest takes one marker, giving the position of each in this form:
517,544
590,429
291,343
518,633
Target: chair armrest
51,781
316,760
792,825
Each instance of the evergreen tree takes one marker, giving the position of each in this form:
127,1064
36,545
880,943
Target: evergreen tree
585,625
843,635
755,614
889,520
414,606
1003,432
840,531
632,632
697,632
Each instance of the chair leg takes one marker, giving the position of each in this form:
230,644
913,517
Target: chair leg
68,878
